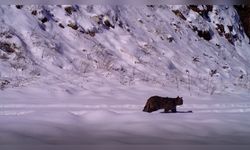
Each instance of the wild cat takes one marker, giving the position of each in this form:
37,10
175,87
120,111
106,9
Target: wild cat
155,103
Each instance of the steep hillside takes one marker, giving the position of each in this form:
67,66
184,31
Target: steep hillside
198,48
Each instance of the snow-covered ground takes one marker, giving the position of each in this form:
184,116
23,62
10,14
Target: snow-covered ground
113,115
82,75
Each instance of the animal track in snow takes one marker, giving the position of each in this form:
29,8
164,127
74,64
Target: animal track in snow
79,109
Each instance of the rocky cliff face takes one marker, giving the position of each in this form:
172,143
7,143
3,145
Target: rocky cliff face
243,12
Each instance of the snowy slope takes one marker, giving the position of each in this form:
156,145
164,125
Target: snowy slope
149,44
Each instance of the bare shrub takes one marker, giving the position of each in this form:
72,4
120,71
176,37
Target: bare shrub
7,47
3,84
70,10
179,14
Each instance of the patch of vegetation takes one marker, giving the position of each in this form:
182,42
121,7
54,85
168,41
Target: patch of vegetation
45,19
91,33
107,22
73,26
218,45
225,67
120,24
35,72
203,12
3,84
7,47
179,14
229,36
34,12
230,28
8,36
170,38
196,59
70,10
60,25
220,29
139,20
205,34
212,72
151,6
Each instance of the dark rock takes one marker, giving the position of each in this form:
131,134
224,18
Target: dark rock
19,6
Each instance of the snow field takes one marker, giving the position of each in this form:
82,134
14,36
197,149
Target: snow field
111,120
